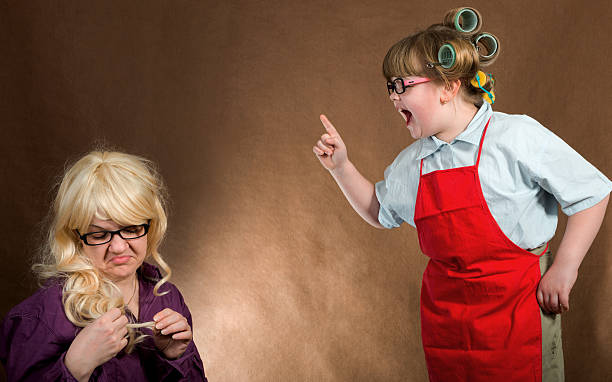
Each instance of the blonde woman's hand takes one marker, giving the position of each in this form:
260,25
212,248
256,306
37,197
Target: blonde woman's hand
330,149
97,343
172,333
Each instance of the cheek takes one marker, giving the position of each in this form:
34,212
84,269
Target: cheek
142,247
94,254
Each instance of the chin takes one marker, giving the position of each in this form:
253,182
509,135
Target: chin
121,272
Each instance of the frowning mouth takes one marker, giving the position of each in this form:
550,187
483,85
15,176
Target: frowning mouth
120,259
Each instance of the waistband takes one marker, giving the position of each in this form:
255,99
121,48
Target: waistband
539,250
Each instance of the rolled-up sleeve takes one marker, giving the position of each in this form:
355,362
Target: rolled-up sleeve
574,182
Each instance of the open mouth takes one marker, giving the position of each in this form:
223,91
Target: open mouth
408,115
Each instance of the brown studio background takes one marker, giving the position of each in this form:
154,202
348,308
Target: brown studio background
284,280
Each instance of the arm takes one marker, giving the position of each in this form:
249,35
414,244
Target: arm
557,282
100,341
30,350
176,356
360,193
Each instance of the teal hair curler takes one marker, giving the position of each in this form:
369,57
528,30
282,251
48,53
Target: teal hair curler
465,20
488,42
446,56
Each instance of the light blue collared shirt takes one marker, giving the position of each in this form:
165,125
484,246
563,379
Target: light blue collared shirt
525,170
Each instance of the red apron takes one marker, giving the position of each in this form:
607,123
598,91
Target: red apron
480,319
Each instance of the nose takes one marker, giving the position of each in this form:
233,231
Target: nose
117,244
394,96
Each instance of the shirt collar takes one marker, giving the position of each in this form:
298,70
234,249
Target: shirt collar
471,134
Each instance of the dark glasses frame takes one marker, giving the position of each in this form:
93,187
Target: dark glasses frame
84,236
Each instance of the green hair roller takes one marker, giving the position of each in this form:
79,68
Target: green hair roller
446,56
466,20
489,42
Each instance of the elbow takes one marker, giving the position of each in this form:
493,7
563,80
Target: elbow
376,224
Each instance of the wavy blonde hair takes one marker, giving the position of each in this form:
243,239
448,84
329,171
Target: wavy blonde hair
108,185
409,57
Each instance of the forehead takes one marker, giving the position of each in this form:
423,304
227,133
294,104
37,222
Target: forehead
393,79
104,223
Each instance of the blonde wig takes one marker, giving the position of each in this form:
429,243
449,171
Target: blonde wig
410,56
107,185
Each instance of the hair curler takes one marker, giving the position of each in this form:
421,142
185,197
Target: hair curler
487,47
465,19
446,57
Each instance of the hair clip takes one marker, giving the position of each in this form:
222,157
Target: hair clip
479,79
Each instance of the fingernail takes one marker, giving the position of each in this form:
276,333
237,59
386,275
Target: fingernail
163,332
157,326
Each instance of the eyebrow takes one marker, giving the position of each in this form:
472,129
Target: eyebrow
97,226
109,229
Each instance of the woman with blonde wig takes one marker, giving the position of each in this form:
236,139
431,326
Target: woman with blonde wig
103,313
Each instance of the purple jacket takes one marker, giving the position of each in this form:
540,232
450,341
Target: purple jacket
36,335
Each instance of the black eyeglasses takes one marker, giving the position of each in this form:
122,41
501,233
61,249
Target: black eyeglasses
399,86
103,237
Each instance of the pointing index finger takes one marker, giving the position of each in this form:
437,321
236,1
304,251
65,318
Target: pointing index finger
328,126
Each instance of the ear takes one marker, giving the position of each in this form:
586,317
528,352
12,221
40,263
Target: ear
450,91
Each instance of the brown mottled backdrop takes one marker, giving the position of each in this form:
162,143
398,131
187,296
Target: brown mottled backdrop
284,280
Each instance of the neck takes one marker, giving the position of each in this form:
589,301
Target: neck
459,115
127,286
126,283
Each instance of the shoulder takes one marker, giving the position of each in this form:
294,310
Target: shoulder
151,275
517,135
45,301
406,159
43,311
150,272
517,127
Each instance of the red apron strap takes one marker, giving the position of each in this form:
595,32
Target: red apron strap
482,140
479,148
421,170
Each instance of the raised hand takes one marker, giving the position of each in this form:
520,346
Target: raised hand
172,333
330,149
97,343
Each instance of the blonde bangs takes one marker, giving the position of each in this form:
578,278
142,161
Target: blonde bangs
108,190
120,198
